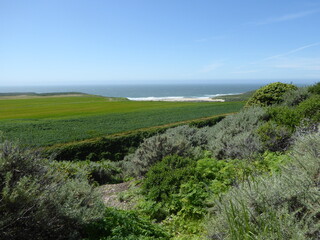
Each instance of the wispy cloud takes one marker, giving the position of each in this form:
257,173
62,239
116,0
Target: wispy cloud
211,67
288,53
309,64
286,17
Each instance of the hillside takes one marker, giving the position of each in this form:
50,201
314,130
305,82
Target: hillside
249,175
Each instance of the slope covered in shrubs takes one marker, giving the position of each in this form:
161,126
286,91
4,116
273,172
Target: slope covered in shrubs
251,175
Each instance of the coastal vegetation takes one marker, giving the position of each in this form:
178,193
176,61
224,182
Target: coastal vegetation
249,175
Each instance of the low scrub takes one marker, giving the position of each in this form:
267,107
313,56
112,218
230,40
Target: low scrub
177,141
235,136
38,202
282,206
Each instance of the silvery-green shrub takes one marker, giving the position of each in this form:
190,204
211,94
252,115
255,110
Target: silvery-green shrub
39,202
176,141
282,206
235,136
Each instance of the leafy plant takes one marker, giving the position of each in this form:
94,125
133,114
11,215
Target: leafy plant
310,108
270,94
124,225
315,89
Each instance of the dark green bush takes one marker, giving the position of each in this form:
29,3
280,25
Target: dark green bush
124,225
285,116
270,94
274,137
38,202
163,180
181,186
310,108
315,89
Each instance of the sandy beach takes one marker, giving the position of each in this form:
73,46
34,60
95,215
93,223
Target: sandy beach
192,100
178,99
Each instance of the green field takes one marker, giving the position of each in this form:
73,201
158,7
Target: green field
47,121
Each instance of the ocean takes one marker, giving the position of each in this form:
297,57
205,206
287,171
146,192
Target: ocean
143,92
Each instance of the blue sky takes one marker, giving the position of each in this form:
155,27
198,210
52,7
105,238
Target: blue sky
55,42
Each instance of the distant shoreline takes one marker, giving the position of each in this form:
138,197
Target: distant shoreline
177,99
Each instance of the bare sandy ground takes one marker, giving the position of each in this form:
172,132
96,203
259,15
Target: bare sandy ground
190,100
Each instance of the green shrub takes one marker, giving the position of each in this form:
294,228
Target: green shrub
270,94
124,225
274,137
163,180
101,172
181,186
285,116
310,108
38,202
294,97
315,89
281,206
218,174
179,141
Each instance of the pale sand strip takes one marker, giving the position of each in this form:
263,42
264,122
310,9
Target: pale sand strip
188,100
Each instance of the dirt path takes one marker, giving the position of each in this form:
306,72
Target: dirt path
111,195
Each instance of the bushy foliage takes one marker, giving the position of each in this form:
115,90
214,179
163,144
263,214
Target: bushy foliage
274,137
124,225
270,94
38,202
177,141
235,136
294,97
100,172
315,89
163,180
280,206
310,108
285,116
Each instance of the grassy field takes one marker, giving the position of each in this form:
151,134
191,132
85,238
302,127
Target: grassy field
47,121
